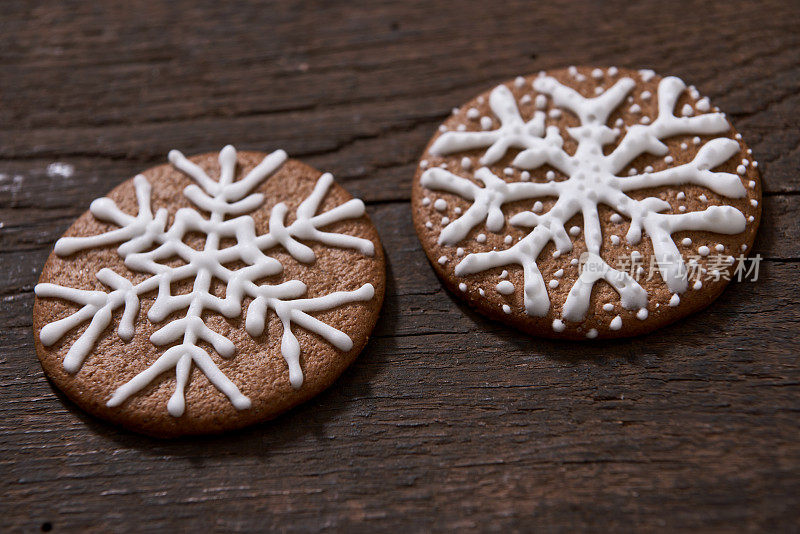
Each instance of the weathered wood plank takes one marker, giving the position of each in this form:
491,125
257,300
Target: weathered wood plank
448,420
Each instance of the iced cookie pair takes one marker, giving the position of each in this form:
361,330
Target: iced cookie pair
221,290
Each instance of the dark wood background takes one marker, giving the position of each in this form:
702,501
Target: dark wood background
447,420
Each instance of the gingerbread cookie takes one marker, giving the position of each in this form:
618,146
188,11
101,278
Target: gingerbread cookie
209,294
587,203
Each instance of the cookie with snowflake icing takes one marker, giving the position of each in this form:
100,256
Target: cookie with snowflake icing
209,293
587,203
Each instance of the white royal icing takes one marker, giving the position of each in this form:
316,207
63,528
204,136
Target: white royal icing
593,178
146,243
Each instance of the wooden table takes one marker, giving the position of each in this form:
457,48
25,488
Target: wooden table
447,420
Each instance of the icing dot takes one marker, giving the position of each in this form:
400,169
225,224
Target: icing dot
466,163
751,218
428,225
424,163
646,75
608,307
505,287
573,261
504,274
525,176
554,113
559,273
686,241
635,108
508,171
540,102
754,164
681,195
741,169
508,239
462,287
473,113
616,323
481,238
751,184
696,140
556,253
687,110
681,208
744,247
553,284
745,162
486,123
550,175
636,255
615,240
442,260
684,146
632,172
440,204
703,251
506,308
649,168
575,230
646,95
457,210
703,197
616,218
642,314
461,127
443,165
455,111
537,206
459,251
612,71
597,74
645,120
426,201
674,300
754,202
519,81
737,136
442,128
525,99
697,285
720,247
598,90
558,325
668,159
445,221
591,334
481,292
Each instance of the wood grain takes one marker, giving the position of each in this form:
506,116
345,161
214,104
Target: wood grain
447,421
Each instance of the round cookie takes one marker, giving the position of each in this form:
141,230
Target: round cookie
209,293
587,203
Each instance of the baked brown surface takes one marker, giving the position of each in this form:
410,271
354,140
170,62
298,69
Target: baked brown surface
257,368
428,220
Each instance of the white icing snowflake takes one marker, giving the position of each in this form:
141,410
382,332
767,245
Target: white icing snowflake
592,179
146,244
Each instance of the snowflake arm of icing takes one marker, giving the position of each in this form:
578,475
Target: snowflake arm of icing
712,154
295,311
98,307
487,200
137,233
640,139
146,244
513,133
